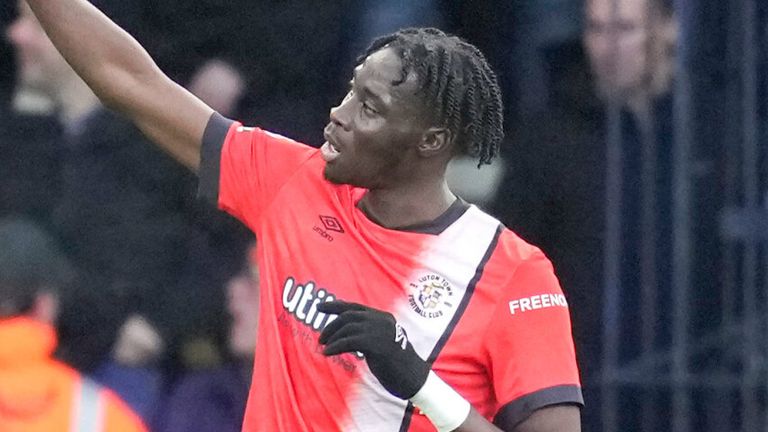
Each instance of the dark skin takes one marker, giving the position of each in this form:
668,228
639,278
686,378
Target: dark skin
395,150
388,146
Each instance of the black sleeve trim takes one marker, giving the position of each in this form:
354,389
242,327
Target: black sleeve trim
210,157
521,408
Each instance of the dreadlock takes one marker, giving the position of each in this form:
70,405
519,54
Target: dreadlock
455,82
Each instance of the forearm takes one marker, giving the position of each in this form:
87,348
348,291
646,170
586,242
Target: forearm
105,56
447,409
477,423
559,418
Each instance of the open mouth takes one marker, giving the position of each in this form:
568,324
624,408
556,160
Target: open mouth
329,150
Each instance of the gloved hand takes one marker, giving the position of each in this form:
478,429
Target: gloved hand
382,341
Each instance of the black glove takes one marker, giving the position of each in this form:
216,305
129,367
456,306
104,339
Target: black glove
381,340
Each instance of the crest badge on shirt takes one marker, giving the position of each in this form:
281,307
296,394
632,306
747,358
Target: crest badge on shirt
431,295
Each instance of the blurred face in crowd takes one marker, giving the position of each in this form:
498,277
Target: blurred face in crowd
219,85
40,65
373,132
243,307
629,43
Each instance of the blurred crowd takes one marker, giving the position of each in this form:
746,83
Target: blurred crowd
156,296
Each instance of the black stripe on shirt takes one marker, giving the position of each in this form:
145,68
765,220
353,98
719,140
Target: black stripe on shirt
521,408
210,157
456,317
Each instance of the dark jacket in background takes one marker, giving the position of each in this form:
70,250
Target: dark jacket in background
129,217
30,165
205,400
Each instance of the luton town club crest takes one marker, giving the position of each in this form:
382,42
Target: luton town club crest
431,295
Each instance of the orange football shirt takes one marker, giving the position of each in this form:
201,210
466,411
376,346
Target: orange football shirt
478,303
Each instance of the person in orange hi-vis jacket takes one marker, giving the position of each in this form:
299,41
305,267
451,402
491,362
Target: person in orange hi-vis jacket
37,392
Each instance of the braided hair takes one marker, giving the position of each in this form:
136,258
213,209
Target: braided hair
455,82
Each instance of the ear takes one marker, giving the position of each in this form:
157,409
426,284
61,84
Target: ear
436,141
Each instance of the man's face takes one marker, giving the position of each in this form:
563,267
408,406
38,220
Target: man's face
373,133
40,64
619,37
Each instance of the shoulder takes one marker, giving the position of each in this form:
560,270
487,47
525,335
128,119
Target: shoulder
512,251
507,250
260,149
516,266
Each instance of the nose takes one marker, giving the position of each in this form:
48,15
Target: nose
16,33
340,114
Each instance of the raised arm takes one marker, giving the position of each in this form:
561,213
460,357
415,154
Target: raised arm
124,77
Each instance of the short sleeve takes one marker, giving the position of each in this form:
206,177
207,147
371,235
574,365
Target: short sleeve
243,168
530,345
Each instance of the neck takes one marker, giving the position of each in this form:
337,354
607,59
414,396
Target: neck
74,98
412,204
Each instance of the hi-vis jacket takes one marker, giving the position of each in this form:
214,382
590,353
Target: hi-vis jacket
40,394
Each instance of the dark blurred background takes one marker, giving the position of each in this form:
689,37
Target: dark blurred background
636,158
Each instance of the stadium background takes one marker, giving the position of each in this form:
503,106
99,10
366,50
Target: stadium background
702,367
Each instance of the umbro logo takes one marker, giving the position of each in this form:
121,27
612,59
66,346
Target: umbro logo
330,223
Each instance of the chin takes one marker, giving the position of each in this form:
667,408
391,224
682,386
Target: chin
332,176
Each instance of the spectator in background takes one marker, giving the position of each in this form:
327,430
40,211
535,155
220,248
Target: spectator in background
38,393
30,154
127,216
218,83
631,45
290,39
631,50
133,367
554,193
42,70
214,399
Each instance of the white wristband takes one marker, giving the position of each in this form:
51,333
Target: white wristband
445,408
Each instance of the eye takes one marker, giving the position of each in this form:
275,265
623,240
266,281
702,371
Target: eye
368,109
348,96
